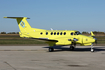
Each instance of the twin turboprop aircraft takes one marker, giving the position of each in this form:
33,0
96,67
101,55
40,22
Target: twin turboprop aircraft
54,37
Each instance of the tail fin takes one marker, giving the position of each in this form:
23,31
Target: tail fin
22,23
25,28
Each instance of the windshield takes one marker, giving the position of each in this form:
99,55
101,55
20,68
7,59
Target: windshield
77,33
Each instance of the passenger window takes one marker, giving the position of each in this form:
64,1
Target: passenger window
64,33
41,33
58,33
72,33
51,33
46,33
61,33
54,33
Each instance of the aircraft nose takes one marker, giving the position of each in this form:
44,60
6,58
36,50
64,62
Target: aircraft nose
93,40
88,40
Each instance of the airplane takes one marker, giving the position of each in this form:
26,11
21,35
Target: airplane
54,37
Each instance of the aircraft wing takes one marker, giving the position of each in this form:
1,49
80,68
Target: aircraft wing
58,41
45,39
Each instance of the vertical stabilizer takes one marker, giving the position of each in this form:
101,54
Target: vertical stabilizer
22,23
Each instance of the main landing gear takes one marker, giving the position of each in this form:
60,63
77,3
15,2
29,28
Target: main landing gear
51,49
72,47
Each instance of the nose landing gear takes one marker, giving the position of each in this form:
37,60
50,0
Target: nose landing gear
92,48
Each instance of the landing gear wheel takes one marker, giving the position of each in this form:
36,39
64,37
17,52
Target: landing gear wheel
92,50
51,49
72,48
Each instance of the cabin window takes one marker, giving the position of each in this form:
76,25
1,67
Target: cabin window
64,33
61,33
54,33
57,33
72,33
51,33
46,33
41,33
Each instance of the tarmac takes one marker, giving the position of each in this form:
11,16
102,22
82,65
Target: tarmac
38,58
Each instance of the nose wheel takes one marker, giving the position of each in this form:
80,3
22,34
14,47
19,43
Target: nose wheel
92,50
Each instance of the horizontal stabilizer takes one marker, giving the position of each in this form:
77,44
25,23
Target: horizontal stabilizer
17,17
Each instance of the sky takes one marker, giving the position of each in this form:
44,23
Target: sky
81,15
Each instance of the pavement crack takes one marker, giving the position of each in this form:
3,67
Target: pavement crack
9,65
77,65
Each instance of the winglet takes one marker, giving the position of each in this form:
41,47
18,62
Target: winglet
92,34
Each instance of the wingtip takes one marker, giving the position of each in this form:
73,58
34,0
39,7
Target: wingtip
4,17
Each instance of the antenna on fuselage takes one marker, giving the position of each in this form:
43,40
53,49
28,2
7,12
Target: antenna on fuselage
51,28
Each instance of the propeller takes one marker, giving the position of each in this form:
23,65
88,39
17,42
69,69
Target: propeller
94,37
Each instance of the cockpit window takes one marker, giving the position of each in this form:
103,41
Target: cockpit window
77,33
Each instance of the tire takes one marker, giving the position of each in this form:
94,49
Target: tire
72,48
92,50
51,49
